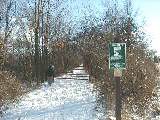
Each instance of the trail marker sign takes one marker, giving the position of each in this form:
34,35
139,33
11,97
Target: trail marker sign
117,55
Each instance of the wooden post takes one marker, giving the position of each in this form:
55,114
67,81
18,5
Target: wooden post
117,76
117,61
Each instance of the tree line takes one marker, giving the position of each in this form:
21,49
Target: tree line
34,34
35,38
139,78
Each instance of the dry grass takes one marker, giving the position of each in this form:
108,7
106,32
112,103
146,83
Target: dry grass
10,88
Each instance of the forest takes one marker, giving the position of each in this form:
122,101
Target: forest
36,33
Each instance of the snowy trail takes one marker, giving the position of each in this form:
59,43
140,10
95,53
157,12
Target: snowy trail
65,99
70,97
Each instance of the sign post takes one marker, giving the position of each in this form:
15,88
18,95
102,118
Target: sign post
117,62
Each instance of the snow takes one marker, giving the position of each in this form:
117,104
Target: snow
72,98
65,99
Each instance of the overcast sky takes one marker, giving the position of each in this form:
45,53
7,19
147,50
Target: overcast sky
150,9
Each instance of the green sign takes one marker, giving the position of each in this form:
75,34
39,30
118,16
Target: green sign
117,56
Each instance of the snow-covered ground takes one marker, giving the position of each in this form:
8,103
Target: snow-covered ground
70,97
65,99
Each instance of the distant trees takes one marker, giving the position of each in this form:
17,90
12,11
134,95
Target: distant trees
37,36
34,34
6,24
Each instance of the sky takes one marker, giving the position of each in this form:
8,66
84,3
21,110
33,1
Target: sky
150,11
